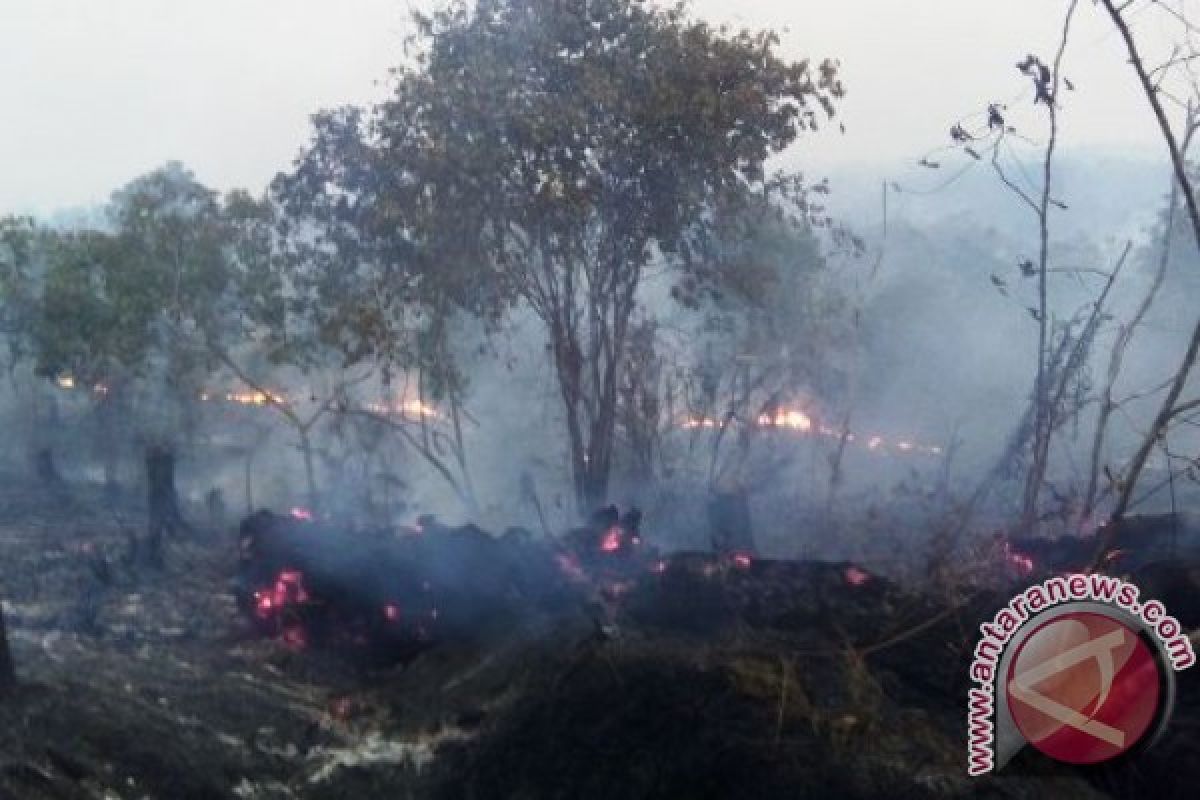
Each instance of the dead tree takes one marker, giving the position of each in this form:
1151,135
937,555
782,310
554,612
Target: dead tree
164,512
1108,403
303,425
8,675
1048,83
1150,81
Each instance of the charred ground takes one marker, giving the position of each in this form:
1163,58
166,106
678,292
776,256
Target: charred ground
704,677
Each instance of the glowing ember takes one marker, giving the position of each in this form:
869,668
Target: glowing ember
612,540
1020,562
1113,556
295,637
342,707
391,612
856,576
570,567
263,603
742,560
659,567
65,382
289,589
302,514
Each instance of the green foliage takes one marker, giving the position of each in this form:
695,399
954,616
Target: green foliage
20,260
78,328
143,304
170,265
546,152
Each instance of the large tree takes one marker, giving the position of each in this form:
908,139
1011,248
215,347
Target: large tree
550,153
124,312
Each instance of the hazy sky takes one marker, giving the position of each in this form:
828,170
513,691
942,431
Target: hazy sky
94,92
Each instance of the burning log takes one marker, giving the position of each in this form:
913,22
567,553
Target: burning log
1132,543
609,550
390,595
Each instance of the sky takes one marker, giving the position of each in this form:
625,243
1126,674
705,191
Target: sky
95,92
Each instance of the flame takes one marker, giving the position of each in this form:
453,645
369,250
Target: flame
793,419
302,514
289,589
404,408
742,560
254,398
391,612
65,382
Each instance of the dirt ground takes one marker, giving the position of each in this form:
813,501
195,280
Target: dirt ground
781,680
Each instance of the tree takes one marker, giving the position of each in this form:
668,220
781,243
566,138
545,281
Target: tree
23,252
548,153
1154,83
123,311
771,331
19,250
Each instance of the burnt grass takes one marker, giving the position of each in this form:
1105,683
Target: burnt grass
706,681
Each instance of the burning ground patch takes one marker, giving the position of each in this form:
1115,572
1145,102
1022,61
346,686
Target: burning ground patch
702,677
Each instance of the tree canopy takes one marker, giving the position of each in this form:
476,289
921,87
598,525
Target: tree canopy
546,154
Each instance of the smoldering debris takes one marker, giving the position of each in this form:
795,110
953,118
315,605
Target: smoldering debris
634,673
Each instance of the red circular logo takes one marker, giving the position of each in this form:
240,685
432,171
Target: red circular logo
1084,688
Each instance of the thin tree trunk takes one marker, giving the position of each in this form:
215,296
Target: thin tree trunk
1168,410
1043,414
250,482
165,516
8,675
310,474
1117,358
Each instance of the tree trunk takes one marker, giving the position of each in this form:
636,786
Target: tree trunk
8,675
165,516
310,474
729,520
46,468
249,481
107,414
1178,153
